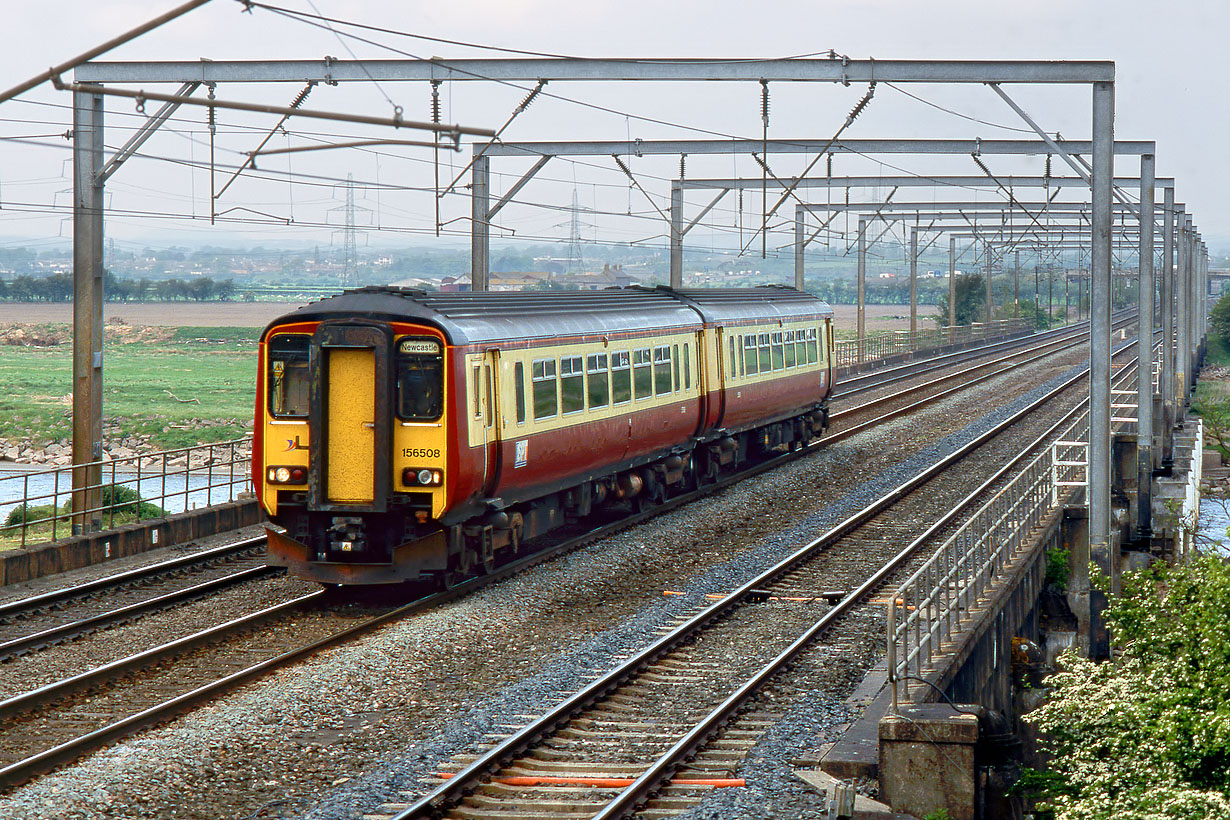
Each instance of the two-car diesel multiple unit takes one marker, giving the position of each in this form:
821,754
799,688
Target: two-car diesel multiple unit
405,436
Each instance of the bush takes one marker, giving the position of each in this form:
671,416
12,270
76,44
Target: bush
1147,733
124,500
24,513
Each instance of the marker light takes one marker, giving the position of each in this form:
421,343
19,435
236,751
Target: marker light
424,477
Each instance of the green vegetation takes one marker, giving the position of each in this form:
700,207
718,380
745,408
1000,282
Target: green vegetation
1219,320
971,301
1212,403
1147,733
162,389
1058,567
121,505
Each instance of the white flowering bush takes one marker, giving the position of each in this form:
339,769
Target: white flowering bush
1147,734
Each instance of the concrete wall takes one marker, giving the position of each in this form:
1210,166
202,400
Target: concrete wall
39,560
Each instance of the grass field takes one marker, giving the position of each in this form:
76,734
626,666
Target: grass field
164,388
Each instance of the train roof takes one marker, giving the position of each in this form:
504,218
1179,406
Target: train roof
474,318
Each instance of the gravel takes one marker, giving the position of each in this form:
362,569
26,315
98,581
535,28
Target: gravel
336,736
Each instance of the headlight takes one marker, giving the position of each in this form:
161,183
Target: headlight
424,477
281,475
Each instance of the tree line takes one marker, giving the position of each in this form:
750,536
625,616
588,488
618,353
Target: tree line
59,288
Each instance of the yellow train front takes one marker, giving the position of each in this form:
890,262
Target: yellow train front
407,436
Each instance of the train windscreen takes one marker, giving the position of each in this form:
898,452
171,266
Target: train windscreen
420,380
288,376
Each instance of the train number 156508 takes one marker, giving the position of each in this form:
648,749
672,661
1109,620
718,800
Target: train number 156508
417,453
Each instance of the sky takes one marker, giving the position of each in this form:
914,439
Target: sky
1171,69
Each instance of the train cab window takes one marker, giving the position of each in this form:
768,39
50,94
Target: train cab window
288,375
750,360
420,380
791,360
642,372
661,370
597,384
519,384
621,377
546,399
687,368
779,360
675,359
766,359
571,384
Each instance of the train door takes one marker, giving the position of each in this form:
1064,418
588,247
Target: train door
716,391
491,419
349,420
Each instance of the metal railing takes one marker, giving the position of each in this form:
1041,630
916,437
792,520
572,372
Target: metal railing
134,488
852,352
933,605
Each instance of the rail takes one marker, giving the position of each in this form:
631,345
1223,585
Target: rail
933,605
134,488
854,352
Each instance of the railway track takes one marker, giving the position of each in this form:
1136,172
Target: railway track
217,659
652,736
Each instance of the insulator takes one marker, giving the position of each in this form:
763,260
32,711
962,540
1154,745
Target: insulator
529,98
435,101
303,95
683,162
829,163
858,108
764,101
1047,173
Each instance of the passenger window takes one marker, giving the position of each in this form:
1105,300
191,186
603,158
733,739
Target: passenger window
733,369
662,369
490,393
542,374
766,358
800,347
519,378
687,368
571,384
811,346
749,355
779,359
675,359
642,373
621,377
791,360
597,380
288,375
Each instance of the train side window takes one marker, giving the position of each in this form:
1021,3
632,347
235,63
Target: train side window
734,370
597,380
811,346
779,360
571,384
474,391
800,346
490,394
288,375
642,372
766,358
542,374
662,369
519,380
420,380
749,355
621,377
687,368
675,359
791,359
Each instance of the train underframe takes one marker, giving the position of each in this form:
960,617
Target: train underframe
400,546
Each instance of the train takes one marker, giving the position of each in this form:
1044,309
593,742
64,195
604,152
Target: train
406,436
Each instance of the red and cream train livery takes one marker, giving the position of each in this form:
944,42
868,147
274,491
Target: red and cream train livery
404,435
